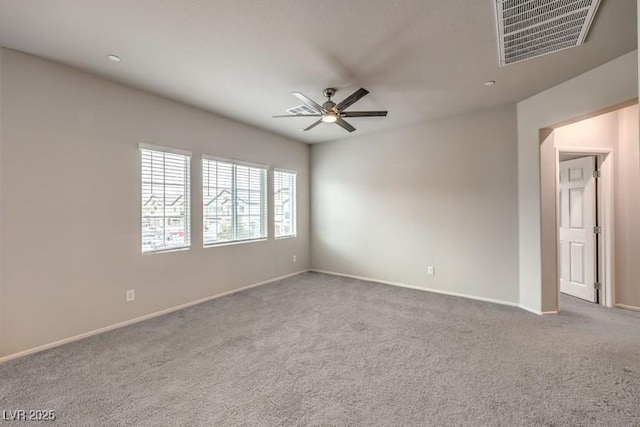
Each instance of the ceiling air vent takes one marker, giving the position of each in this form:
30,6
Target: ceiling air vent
302,109
532,28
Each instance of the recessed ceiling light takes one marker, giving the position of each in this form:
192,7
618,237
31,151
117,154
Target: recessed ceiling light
489,82
114,58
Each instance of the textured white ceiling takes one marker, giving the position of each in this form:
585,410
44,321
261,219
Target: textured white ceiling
420,59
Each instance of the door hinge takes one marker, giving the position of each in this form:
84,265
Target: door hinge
597,229
597,174
597,286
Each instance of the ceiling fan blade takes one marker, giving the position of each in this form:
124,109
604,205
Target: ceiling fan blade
299,115
308,101
344,125
351,99
364,114
313,125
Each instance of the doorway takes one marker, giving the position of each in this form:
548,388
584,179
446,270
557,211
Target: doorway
582,204
578,226
613,136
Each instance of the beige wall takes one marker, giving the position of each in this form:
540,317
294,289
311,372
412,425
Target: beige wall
610,84
628,210
445,193
70,189
599,132
616,131
2,333
442,193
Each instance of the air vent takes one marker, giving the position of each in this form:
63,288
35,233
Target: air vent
531,28
302,109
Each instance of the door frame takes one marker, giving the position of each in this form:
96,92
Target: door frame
605,218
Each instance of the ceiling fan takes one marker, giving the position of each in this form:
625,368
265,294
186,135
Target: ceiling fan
330,112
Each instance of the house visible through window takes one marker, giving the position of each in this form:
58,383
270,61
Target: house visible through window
234,199
284,200
165,198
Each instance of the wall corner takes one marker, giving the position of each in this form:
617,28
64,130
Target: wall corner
2,322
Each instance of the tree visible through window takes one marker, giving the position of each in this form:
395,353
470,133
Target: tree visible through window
165,199
284,200
234,202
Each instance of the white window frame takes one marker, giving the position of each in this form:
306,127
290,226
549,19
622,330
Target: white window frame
265,206
294,203
186,204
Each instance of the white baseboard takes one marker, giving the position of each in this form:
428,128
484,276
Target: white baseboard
530,310
538,312
140,319
437,291
628,307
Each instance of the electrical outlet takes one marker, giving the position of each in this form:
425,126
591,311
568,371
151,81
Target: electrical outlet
431,270
130,295
295,258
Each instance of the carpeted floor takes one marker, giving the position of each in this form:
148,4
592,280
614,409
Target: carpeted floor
323,350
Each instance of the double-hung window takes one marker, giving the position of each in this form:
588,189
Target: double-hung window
165,198
234,201
284,201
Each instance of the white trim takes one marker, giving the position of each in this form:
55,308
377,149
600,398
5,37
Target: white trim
234,242
275,168
140,319
420,288
287,236
145,146
530,310
606,197
538,312
549,313
628,307
164,251
235,161
583,150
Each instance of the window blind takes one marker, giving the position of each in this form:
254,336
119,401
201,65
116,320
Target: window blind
165,200
284,200
234,199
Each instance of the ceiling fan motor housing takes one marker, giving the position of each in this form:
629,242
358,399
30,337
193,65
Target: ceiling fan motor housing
329,105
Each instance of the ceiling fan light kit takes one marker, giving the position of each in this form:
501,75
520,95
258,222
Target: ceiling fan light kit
329,118
330,112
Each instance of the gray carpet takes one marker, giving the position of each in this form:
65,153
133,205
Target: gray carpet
323,350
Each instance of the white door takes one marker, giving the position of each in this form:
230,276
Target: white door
577,222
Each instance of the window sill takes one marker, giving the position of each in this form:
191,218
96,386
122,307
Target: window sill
163,251
234,242
291,236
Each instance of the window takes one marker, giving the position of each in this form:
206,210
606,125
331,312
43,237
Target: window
284,200
165,198
234,201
